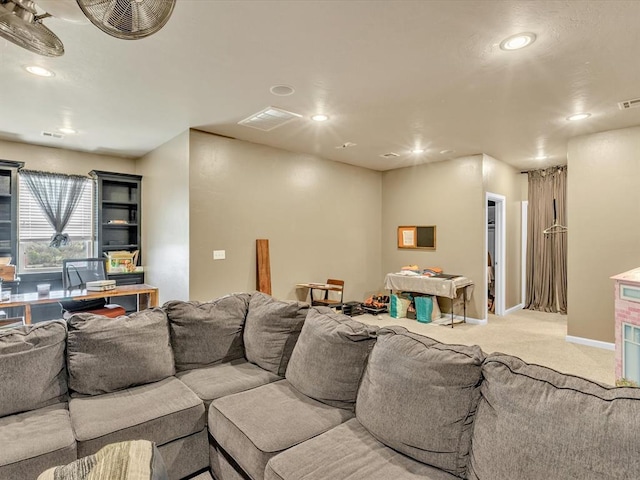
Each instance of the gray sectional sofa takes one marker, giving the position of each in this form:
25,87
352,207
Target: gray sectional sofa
255,388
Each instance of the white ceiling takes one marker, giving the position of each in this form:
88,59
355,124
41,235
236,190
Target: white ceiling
392,75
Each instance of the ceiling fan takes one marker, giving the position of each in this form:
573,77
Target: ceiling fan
21,23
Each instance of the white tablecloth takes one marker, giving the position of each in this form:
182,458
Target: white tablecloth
441,287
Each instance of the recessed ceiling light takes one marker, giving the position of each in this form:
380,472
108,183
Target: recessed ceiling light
541,157
578,116
518,41
417,150
282,90
39,71
447,152
320,117
67,130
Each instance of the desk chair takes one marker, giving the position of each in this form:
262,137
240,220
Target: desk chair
326,300
75,274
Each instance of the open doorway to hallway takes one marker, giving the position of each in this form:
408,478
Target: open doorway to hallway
495,242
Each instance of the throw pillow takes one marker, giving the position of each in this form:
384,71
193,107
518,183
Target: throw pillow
108,354
32,366
552,425
419,396
330,356
271,331
203,334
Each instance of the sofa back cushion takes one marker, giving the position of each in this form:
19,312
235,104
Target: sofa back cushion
271,331
329,357
419,397
204,334
533,422
109,354
32,366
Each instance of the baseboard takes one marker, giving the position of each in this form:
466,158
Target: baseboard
514,309
590,343
458,319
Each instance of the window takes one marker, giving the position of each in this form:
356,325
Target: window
631,352
35,233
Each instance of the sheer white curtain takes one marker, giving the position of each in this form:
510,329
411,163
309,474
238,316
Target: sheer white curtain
58,195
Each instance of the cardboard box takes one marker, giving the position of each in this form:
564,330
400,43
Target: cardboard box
8,273
121,261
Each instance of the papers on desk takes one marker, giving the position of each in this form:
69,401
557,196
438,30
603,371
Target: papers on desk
101,285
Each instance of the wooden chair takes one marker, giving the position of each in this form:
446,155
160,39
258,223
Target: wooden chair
332,285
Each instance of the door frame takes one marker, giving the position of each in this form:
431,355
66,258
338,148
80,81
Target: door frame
500,254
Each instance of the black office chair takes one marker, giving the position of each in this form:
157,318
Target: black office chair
75,275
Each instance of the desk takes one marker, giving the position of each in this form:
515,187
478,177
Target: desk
147,297
441,287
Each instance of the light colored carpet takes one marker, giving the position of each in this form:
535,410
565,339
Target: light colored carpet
202,476
535,337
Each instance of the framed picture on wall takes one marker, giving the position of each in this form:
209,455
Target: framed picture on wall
423,237
407,237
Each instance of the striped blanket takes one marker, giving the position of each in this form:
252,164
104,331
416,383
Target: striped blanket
132,460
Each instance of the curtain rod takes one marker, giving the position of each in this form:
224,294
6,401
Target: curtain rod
539,169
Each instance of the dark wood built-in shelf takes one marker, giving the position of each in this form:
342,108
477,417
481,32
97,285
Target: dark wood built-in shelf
9,208
118,197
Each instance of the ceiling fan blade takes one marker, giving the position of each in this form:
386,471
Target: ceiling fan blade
128,19
19,25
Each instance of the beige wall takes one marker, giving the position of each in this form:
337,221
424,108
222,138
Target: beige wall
603,216
322,219
165,217
503,179
446,194
63,161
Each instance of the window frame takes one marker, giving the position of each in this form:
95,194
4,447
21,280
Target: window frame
79,229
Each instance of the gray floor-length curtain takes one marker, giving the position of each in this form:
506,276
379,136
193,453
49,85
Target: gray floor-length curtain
58,195
547,253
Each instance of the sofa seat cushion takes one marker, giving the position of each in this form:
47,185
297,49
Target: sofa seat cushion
31,442
419,397
224,379
206,333
24,352
348,451
255,425
552,425
159,412
329,357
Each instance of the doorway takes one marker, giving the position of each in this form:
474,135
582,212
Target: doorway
495,215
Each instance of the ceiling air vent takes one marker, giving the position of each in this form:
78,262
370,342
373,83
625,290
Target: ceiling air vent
390,155
629,104
52,135
269,118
